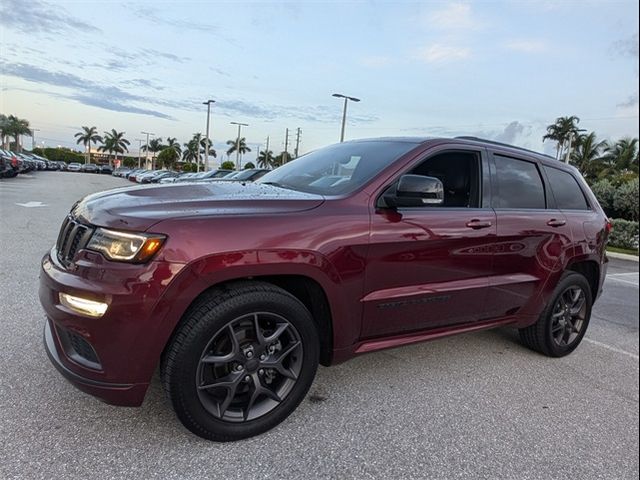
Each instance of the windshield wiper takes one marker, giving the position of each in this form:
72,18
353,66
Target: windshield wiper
276,184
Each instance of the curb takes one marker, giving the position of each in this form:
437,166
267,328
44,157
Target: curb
622,256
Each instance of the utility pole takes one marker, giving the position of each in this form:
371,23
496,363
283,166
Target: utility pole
298,132
286,146
206,153
146,153
240,125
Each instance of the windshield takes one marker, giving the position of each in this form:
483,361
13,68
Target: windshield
339,168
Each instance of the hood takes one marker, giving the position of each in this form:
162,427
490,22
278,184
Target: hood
138,208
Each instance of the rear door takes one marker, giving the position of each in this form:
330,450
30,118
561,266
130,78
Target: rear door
532,236
429,266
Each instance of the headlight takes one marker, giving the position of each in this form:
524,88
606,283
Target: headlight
125,246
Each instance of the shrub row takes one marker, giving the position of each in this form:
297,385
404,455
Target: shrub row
624,234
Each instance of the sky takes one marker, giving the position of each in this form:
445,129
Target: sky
502,70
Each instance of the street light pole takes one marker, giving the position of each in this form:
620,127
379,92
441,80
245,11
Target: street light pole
146,148
206,153
33,137
240,125
139,140
344,111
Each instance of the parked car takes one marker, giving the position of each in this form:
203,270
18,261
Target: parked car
90,168
203,176
249,175
121,171
161,175
237,292
74,167
133,174
12,165
105,169
179,177
6,167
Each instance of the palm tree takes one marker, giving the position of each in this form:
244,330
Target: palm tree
191,153
15,127
4,133
114,142
561,131
238,145
87,136
203,148
623,155
172,142
266,159
155,146
587,153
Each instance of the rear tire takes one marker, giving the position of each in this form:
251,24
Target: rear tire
564,321
242,360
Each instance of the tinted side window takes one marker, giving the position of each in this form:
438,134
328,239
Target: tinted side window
568,194
519,184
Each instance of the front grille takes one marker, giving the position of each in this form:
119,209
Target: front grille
78,349
73,236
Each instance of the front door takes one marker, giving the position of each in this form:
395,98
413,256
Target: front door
429,267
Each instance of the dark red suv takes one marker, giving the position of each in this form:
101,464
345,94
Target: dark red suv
238,291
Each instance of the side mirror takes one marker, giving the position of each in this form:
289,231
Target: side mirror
416,191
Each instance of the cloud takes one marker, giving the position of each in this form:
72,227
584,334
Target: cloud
85,91
630,102
34,16
439,53
110,97
455,16
150,16
627,47
510,133
527,46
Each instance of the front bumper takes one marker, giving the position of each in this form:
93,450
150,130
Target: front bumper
122,394
112,357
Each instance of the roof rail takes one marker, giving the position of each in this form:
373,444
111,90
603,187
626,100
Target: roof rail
493,142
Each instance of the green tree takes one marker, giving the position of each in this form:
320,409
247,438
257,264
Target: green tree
203,148
625,200
587,153
191,152
155,146
604,191
623,154
248,165
266,159
114,142
281,159
238,145
228,165
15,127
87,136
561,131
173,143
167,158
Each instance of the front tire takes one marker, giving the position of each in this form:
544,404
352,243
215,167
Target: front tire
241,362
563,323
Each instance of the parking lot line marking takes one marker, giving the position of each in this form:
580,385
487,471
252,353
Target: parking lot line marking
613,349
32,204
623,281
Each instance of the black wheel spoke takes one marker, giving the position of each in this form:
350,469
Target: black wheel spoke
279,331
244,373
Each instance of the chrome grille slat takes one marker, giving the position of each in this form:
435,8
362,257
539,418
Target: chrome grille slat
73,237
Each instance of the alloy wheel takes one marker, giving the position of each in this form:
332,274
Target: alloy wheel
568,317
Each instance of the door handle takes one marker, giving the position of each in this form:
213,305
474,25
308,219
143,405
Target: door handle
554,222
478,224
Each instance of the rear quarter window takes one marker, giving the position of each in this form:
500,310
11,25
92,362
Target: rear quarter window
566,190
519,184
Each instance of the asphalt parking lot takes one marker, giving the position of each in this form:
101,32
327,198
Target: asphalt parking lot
472,406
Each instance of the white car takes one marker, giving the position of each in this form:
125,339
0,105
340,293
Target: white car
74,167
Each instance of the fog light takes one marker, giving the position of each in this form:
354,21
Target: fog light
83,306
